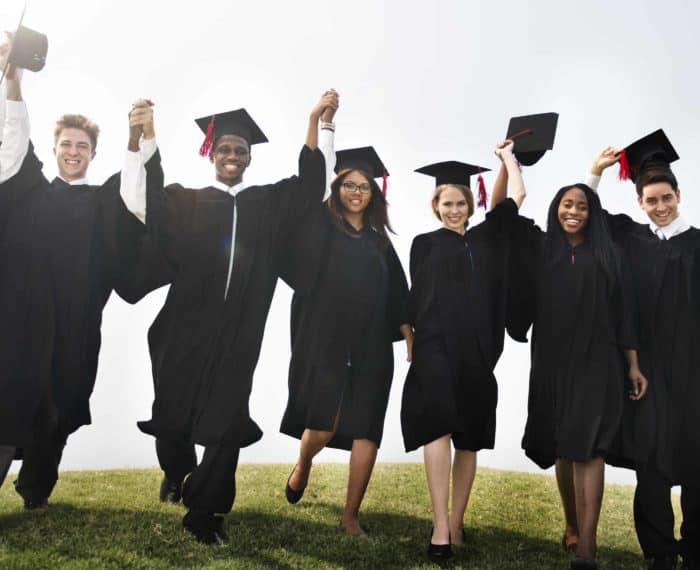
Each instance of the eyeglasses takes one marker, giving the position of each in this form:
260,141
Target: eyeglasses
364,188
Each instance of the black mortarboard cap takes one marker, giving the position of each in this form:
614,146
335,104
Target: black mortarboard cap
364,158
237,122
29,49
652,147
532,136
452,172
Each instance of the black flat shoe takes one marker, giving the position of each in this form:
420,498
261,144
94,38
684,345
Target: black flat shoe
583,564
439,553
170,491
205,527
664,563
293,496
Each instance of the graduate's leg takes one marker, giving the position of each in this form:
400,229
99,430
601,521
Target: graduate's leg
653,514
177,458
437,456
39,472
312,442
210,490
362,459
463,472
690,527
7,454
565,482
589,478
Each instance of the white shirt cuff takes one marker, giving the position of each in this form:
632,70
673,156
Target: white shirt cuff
591,180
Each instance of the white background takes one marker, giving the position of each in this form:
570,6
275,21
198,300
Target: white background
420,81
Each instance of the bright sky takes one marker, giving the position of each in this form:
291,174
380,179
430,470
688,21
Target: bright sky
421,82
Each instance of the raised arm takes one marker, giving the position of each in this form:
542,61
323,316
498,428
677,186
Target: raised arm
141,148
513,176
15,123
329,100
604,159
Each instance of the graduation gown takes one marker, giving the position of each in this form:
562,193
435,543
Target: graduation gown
577,375
459,307
349,302
662,427
63,248
205,343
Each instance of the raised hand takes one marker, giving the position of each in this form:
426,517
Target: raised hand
140,122
504,149
606,157
326,106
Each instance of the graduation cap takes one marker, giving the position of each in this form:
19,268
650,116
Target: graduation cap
654,146
28,51
532,136
454,172
237,122
365,159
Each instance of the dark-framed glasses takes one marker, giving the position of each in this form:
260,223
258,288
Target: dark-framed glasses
350,186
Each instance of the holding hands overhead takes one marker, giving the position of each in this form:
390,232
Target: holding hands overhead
140,122
504,149
326,106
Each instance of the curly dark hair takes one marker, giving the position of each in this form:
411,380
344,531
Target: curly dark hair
596,232
375,215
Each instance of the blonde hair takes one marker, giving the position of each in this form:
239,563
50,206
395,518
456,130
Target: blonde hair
77,122
466,192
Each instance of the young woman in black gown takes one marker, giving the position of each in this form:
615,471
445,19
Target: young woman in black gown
459,310
348,307
581,328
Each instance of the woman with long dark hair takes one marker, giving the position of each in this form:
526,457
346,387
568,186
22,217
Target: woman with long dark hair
581,329
459,309
348,308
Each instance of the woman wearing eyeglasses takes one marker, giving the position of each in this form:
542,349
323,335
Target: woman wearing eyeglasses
348,308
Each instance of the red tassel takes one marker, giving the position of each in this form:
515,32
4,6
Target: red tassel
385,184
482,192
624,173
205,149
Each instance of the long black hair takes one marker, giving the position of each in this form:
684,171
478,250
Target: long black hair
375,215
596,233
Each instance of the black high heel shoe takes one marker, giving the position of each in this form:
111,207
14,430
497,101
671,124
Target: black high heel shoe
583,564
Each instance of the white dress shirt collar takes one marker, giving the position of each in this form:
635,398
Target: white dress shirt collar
233,190
677,226
78,182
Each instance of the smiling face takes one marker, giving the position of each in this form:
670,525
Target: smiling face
355,193
73,152
453,209
230,156
660,202
573,214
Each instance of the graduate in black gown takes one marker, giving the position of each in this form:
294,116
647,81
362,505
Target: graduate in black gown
577,380
224,244
660,435
349,306
458,308
63,248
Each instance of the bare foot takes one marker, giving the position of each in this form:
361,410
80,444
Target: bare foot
351,526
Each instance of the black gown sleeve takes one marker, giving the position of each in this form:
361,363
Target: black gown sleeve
420,295
398,293
169,212
22,187
524,262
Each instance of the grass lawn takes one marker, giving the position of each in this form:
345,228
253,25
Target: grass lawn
112,519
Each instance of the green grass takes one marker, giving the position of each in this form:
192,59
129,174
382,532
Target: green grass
112,519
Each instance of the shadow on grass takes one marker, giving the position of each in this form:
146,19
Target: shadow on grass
290,537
